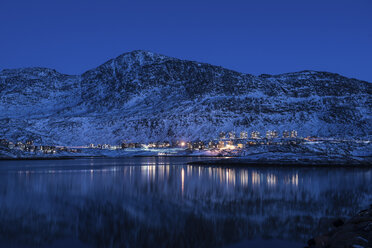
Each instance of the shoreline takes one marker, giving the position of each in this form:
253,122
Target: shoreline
109,157
241,162
226,162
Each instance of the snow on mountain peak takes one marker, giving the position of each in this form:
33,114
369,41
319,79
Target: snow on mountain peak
143,96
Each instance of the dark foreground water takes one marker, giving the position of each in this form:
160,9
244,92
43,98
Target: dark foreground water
162,202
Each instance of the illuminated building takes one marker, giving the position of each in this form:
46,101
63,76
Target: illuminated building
201,145
11,145
268,134
286,134
293,134
197,145
189,145
221,144
241,145
21,146
212,145
232,135
255,135
106,146
244,135
222,135
271,134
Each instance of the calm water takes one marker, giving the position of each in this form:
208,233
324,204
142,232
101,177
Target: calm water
162,202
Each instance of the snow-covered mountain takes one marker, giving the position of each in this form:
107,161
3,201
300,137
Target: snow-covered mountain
143,96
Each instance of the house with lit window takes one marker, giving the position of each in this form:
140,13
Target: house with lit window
286,134
232,135
244,135
222,135
293,134
255,135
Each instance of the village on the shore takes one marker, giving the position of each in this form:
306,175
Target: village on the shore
229,142
226,141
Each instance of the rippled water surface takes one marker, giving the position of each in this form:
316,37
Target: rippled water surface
163,202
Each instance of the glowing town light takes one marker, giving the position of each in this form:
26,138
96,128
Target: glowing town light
183,143
229,147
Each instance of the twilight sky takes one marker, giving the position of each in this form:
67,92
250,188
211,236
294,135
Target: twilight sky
258,36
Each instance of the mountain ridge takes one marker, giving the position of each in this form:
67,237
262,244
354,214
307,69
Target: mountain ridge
7,70
142,96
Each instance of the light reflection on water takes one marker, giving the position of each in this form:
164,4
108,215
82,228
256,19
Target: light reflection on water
142,202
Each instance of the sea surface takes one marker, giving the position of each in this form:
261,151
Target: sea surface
163,202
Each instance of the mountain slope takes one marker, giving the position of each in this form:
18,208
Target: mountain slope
142,96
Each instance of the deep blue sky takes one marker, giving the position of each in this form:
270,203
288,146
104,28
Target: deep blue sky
261,36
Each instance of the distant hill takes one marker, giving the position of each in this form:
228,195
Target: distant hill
143,96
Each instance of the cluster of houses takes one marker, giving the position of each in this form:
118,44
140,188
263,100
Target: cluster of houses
125,145
232,141
226,140
270,134
29,146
